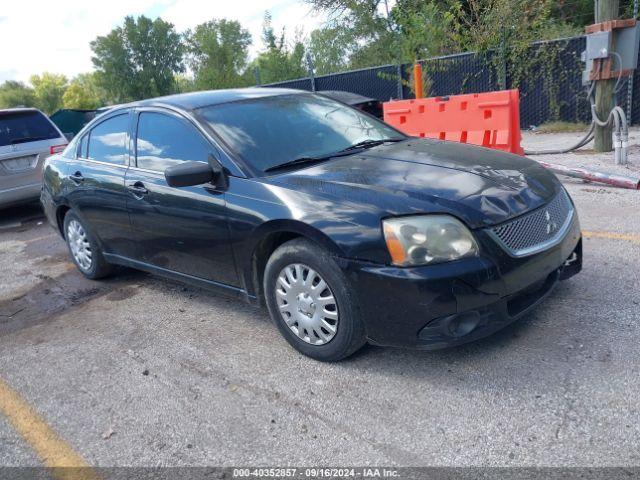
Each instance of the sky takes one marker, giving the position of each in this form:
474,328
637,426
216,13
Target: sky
54,35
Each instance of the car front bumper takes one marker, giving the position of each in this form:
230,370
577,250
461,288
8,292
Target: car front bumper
448,304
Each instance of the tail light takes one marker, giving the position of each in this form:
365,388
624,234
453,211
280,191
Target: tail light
57,148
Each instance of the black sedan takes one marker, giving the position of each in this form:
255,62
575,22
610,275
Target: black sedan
349,231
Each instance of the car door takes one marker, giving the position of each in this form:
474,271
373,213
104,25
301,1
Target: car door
178,229
96,176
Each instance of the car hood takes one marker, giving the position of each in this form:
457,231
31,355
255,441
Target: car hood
481,186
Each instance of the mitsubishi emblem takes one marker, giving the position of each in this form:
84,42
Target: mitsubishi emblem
551,226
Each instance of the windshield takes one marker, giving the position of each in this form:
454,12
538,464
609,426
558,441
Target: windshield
272,130
25,126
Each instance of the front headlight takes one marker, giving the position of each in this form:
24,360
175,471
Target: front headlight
426,239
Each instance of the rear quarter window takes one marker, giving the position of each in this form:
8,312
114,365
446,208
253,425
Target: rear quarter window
81,146
107,140
25,126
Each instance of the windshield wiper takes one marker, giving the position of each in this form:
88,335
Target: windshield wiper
26,139
350,150
303,160
372,143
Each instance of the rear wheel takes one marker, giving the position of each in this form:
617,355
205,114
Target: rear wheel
84,249
311,302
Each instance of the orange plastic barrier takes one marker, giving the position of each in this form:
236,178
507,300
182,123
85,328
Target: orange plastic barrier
488,119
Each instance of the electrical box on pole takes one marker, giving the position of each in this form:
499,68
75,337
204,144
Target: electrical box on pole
611,53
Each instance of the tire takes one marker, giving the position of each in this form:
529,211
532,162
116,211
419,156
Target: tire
310,312
75,230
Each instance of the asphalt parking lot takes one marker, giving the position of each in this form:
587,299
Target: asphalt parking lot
136,370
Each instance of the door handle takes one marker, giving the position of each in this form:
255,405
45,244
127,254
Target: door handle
77,177
137,188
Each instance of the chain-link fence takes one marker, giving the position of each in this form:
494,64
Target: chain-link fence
549,78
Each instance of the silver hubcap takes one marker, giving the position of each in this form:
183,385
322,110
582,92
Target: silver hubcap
79,244
306,304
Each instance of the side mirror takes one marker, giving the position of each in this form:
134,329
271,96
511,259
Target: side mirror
187,174
220,180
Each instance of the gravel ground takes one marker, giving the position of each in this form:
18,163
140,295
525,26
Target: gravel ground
584,157
139,371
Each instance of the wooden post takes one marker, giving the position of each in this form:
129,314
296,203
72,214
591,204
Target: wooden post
605,10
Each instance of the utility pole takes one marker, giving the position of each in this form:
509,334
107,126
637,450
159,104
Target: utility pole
605,101
630,81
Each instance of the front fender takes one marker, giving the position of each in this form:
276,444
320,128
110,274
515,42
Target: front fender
258,211
297,227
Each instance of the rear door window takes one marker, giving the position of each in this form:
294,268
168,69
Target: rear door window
163,141
25,126
107,140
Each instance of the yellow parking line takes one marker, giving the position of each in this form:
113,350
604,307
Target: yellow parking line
629,237
52,450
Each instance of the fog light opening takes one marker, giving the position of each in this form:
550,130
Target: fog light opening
464,324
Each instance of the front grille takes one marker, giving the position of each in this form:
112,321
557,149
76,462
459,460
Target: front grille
537,230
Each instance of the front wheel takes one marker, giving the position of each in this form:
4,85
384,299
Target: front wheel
310,301
84,248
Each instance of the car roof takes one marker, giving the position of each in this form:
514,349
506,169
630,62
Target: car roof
194,100
347,97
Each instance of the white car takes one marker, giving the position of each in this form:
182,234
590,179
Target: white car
27,137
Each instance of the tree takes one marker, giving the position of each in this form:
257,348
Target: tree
384,33
329,48
406,30
486,24
577,12
279,61
423,29
184,83
84,93
16,94
371,25
48,90
138,60
218,52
